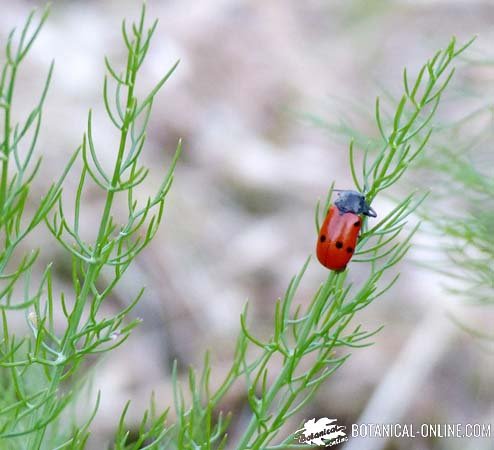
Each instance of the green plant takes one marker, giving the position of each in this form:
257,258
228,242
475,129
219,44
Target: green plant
468,228
313,341
42,373
462,221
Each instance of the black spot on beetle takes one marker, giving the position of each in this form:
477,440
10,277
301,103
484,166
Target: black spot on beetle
322,238
357,223
339,244
349,249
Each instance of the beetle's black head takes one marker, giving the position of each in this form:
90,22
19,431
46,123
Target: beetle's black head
354,202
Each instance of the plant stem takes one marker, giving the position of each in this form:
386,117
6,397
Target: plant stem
288,367
94,266
6,143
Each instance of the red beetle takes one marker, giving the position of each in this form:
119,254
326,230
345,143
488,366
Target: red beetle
339,232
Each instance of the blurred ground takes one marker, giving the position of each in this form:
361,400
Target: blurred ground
239,222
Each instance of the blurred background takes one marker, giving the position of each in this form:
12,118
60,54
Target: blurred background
239,219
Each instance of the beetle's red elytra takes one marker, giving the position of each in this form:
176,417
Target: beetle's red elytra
339,233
